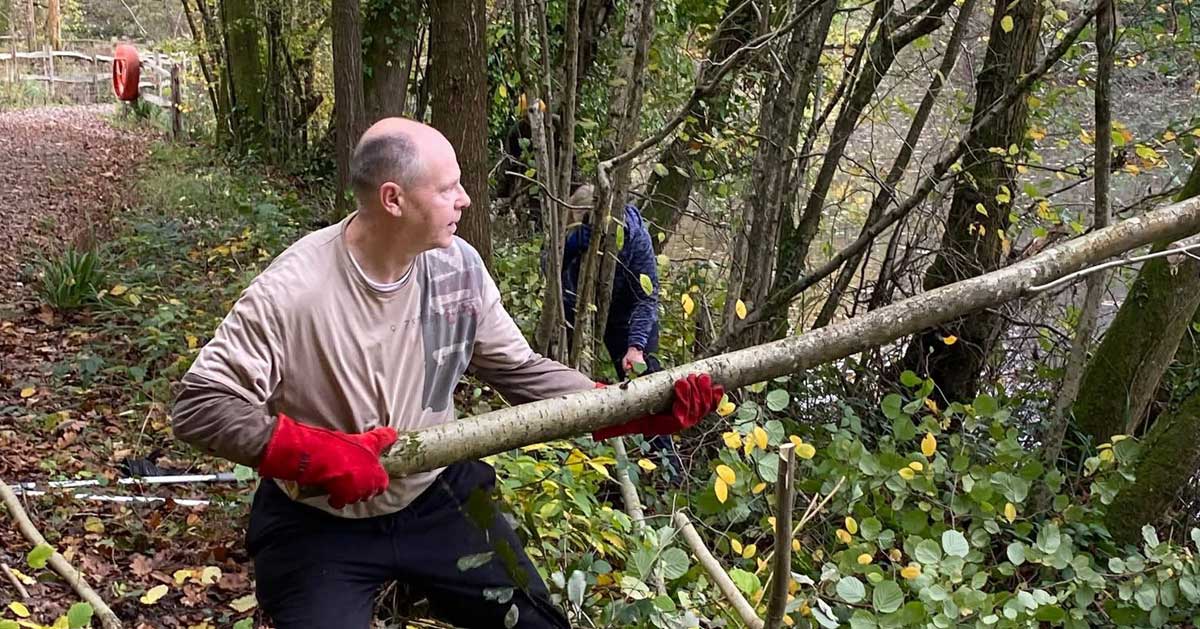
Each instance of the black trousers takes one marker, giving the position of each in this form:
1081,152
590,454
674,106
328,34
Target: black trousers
316,570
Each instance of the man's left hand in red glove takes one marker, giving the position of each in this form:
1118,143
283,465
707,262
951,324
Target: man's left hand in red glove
695,397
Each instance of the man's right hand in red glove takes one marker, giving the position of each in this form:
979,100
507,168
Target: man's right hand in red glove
347,466
695,396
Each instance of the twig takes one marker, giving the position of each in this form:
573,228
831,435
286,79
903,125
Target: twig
72,576
716,572
1100,267
633,504
784,494
15,581
809,513
547,192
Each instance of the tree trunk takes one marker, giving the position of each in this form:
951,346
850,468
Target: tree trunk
887,192
389,37
797,237
1077,358
590,410
459,94
243,43
30,26
598,265
54,24
975,241
349,112
669,194
775,164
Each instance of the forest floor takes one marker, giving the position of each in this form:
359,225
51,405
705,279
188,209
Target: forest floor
75,397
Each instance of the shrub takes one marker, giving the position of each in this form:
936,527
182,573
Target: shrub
70,280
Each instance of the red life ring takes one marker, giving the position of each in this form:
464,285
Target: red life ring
126,73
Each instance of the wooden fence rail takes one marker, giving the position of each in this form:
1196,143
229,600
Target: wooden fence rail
155,71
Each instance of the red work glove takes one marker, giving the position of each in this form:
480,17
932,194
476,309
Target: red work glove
345,465
695,397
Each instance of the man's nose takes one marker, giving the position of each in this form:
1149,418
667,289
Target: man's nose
464,201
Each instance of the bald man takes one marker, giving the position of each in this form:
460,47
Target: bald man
356,331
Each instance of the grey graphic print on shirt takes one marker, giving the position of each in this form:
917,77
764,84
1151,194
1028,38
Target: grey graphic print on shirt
450,309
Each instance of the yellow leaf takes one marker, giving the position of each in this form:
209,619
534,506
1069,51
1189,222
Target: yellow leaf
28,392
771,521
736,546
192,341
950,339
760,438
725,473
796,545
806,451
1168,136
604,579
851,525
93,525
647,284
907,473
118,290
614,539
787,620
929,444
917,466
688,305
758,489
1106,455
210,575
1007,23
864,559
1118,438
62,622
599,467
153,595
22,577
725,409
244,604
749,445
181,576
749,551
740,309
843,536
1010,512
894,554
722,491
1035,134
912,571
732,439
796,441
647,465
19,609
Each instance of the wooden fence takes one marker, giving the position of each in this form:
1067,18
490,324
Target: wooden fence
97,73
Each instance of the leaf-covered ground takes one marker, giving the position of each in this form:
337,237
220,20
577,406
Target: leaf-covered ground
83,395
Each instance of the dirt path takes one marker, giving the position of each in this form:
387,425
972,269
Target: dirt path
66,170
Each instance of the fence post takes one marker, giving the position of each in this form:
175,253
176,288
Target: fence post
158,73
93,91
50,71
176,100
16,73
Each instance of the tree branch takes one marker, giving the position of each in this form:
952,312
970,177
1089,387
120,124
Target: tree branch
782,576
583,412
716,572
72,576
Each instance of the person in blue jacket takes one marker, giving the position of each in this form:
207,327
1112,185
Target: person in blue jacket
631,332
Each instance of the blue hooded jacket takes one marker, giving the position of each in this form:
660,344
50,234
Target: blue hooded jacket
632,315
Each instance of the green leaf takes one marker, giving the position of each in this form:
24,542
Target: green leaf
574,588
1016,553
1146,596
985,405
665,604
747,582
870,528
9,624
1151,537
79,615
887,597
243,472
903,429
891,405
647,284
660,170
504,595
40,554
245,623
778,400
621,238
1190,586
470,562
851,590
675,563
1049,539
1146,152
928,552
1049,613
511,618
910,379
955,544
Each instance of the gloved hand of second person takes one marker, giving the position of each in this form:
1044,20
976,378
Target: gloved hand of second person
695,397
345,465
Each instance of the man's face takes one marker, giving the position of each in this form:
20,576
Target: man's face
435,200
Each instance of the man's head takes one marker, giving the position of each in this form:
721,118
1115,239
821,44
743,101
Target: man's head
407,172
581,202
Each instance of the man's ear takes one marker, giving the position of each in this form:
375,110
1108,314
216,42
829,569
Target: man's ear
391,198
